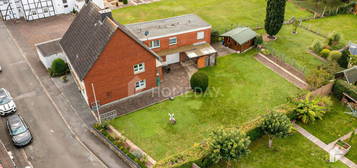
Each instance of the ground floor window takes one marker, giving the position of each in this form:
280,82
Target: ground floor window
140,84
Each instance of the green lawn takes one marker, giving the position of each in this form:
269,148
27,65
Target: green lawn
221,14
291,152
334,124
294,47
246,89
344,24
352,154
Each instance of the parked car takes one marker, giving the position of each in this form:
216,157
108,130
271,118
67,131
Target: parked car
18,130
7,104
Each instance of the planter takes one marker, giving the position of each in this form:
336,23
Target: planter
343,146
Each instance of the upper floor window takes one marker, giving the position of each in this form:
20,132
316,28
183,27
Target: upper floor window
155,44
140,85
200,35
172,41
139,68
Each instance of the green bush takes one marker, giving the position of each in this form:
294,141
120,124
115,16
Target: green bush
316,47
310,108
199,82
334,55
325,53
334,39
265,51
58,68
125,2
321,75
214,36
342,86
258,40
344,59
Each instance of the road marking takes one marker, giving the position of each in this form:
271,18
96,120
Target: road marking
16,63
52,101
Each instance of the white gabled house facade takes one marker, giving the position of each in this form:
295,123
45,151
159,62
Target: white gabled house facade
37,9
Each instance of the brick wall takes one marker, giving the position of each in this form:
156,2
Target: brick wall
182,40
113,73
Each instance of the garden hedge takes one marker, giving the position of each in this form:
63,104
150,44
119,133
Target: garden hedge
341,87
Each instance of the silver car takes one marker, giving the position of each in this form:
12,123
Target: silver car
7,104
18,130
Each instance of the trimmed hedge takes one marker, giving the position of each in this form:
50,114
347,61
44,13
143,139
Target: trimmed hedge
199,82
341,87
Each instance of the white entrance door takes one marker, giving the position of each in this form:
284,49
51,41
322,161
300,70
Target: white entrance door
173,58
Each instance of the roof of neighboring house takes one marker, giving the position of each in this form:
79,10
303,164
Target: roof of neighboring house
49,48
168,26
350,74
352,48
87,37
241,34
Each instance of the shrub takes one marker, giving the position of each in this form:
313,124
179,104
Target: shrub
353,60
265,51
58,67
316,47
334,55
125,2
227,145
341,87
309,108
344,59
325,53
199,82
334,39
258,40
321,75
214,36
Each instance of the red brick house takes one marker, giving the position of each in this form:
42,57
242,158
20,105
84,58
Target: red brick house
106,60
178,39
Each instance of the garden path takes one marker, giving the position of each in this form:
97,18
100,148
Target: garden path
322,145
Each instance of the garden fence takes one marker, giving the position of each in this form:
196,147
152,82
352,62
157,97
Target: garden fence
282,57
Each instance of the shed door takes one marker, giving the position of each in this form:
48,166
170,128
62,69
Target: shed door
173,58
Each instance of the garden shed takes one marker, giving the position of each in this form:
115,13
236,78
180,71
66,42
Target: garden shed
49,51
239,39
350,75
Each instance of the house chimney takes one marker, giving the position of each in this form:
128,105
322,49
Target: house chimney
105,13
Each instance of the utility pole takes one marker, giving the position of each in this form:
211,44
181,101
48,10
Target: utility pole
96,104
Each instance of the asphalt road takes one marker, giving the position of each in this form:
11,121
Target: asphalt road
53,145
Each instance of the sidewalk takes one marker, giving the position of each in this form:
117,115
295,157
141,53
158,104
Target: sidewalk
322,145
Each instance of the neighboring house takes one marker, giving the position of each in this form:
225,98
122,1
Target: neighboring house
49,51
178,39
352,48
239,39
349,75
37,9
107,61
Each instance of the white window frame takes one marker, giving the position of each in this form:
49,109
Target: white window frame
153,44
141,84
200,35
173,38
139,68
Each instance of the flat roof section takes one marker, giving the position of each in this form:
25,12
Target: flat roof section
168,26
